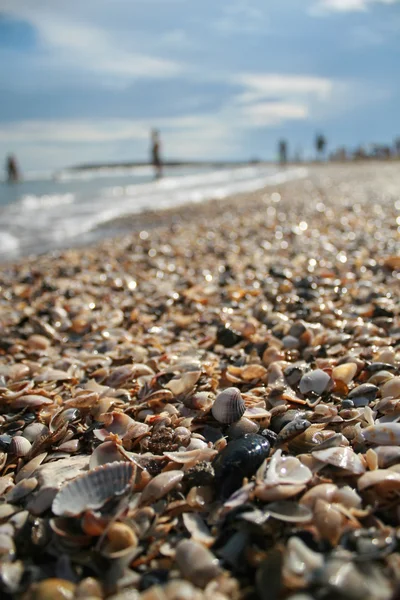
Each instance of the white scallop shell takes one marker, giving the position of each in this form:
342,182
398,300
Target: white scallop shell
228,406
93,489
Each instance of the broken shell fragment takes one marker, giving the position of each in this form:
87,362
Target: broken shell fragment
342,457
160,486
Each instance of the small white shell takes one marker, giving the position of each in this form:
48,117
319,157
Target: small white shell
20,446
196,563
92,490
316,381
228,406
161,485
287,470
341,457
377,477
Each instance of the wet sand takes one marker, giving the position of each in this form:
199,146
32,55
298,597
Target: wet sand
132,370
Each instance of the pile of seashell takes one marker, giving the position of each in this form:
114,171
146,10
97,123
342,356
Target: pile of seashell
209,412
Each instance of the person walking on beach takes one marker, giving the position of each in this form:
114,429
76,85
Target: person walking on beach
320,145
12,169
282,147
155,153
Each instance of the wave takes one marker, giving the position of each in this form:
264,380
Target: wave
70,218
32,202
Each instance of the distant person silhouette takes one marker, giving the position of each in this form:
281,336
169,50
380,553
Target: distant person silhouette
282,152
12,169
320,145
155,153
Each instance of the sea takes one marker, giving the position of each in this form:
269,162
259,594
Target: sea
47,211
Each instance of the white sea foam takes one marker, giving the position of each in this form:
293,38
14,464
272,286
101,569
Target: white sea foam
9,244
38,222
32,202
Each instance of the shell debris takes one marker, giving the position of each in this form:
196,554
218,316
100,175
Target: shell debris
208,407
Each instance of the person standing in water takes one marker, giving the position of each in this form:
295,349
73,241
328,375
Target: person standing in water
155,153
12,169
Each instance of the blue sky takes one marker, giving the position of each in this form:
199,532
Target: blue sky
85,80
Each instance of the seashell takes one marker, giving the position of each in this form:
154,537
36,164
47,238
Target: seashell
363,394
239,459
309,439
196,563
228,406
189,458
315,381
380,377
248,372
198,529
328,520
342,457
51,589
7,510
30,467
293,374
391,388
284,470
52,375
7,548
20,446
6,482
88,588
201,401
379,476
70,446
291,430
289,512
387,434
33,431
387,456
300,559
122,425
160,486
63,416
344,372
241,427
22,489
32,401
119,376
107,452
92,490
184,383
120,537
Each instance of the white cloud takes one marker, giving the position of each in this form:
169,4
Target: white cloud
326,6
72,131
67,41
240,17
264,85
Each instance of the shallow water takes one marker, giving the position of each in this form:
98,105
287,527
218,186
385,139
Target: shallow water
44,213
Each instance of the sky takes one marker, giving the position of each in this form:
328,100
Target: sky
84,81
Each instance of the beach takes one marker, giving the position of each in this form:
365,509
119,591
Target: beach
202,405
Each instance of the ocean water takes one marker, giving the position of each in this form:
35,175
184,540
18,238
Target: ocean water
44,213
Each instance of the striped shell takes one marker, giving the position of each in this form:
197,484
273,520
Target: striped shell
20,446
93,489
228,406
